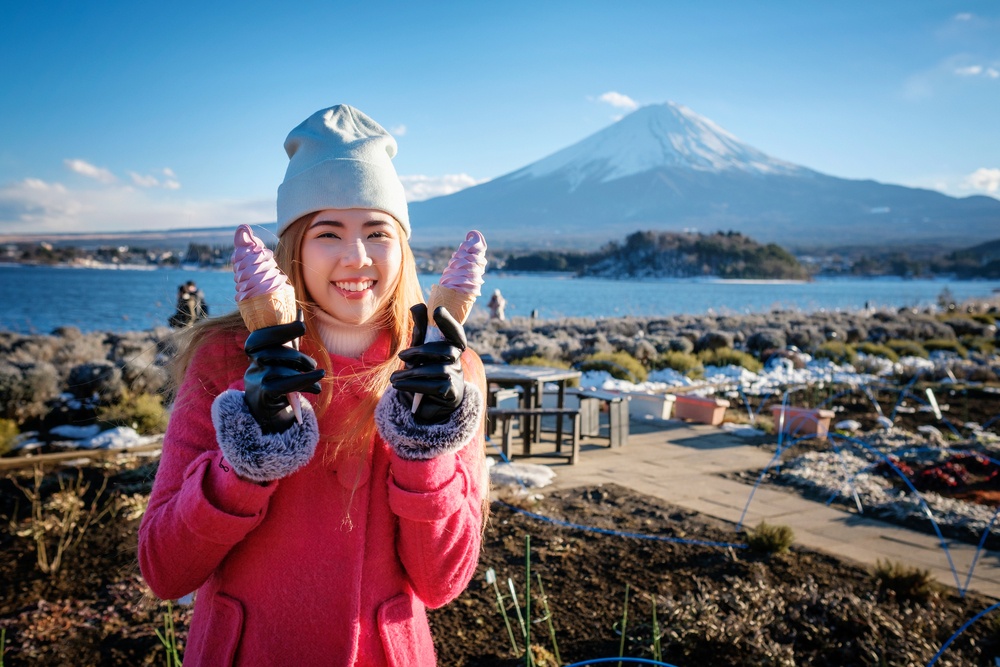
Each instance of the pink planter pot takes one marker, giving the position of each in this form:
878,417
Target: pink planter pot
700,409
800,422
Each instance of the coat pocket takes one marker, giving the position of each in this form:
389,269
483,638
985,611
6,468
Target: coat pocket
220,637
406,636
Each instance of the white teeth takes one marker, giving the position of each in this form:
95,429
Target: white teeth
355,287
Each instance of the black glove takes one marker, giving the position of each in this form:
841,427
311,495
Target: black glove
432,369
275,371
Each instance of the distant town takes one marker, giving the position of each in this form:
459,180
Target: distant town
642,254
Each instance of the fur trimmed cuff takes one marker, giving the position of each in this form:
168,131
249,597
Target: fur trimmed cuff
419,442
253,455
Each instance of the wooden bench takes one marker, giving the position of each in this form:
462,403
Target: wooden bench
503,417
592,403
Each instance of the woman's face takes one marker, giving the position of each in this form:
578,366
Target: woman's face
351,261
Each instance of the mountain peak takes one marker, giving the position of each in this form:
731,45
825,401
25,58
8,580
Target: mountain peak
652,137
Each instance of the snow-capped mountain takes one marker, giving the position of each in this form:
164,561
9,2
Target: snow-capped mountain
668,135
664,167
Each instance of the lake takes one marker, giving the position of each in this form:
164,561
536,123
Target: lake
37,299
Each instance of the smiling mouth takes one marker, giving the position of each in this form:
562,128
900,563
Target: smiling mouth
355,286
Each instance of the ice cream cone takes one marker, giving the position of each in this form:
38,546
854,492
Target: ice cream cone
455,302
267,310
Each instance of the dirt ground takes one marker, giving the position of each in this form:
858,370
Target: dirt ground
715,604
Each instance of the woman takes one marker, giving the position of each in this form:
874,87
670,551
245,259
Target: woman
321,542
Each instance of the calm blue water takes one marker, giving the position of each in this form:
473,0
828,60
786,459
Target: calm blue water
39,299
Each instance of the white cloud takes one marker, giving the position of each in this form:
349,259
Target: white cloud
84,168
419,188
397,131
144,181
964,16
35,206
170,181
618,100
992,73
985,180
971,70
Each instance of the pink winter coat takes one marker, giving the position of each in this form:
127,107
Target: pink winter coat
332,565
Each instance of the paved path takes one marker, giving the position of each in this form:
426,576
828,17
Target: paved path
683,464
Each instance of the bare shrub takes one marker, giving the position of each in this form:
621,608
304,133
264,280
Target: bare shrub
642,349
766,339
102,378
25,388
620,326
713,340
966,326
532,345
59,522
681,344
805,338
75,350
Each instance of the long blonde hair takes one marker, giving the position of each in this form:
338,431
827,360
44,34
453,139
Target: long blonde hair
358,426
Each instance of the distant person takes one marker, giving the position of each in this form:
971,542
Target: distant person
496,305
191,306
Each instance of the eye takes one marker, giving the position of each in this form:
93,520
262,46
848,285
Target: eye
327,235
379,235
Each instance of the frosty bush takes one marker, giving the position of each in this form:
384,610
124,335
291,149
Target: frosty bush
766,339
25,388
97,377
713,340
805,338
683,345
532,345
966,326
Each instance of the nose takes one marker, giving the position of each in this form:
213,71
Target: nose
356,255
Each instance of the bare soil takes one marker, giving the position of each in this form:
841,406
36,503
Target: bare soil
715,604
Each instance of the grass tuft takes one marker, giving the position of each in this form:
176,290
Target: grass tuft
621,366
770,539
727,356
907,582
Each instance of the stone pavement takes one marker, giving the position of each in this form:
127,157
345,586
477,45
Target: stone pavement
683,464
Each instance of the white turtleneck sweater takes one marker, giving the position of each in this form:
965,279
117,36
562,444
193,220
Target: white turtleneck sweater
345,340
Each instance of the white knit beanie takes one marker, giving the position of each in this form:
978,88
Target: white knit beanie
340,158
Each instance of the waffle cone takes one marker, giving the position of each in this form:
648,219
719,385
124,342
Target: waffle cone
267,310
455,302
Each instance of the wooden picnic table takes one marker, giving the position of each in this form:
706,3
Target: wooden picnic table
531,380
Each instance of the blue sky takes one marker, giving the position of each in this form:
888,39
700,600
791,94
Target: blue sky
125,115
